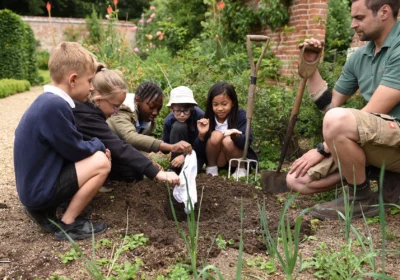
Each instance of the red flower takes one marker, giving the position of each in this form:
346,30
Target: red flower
115,2
109,9
220,5
48,7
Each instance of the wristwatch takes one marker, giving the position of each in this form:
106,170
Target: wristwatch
321,150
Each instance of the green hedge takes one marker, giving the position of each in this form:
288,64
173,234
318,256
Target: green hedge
17,49
11,86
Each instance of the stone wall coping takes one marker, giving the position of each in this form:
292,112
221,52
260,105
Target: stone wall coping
69,20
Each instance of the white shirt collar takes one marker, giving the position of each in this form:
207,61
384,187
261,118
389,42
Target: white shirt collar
57,91
221,126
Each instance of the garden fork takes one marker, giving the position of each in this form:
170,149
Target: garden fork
250,103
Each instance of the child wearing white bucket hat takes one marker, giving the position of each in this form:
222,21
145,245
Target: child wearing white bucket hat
181,124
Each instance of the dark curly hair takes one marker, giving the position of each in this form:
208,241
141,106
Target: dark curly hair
148,90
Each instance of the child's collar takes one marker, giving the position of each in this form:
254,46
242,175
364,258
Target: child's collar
59,92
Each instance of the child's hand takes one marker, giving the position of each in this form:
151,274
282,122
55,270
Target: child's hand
108,154
232,132
178,161
182,147
203,125
170,177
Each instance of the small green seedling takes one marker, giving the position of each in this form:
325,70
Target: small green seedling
134,241
314,225
222,243
103,261
103,243
372,220
394,211
69,256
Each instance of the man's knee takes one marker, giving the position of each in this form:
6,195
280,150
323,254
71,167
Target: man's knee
336,121
295,184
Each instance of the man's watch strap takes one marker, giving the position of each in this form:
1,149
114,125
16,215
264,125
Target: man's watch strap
321,150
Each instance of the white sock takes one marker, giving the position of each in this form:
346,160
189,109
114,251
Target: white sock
212,170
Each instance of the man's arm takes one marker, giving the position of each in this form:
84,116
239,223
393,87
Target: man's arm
318,87
383,100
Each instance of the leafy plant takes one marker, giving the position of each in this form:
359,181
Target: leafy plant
222,243
267,266
103,243
132,242
69,256
333,264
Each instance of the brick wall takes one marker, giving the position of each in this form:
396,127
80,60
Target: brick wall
43,30
307,19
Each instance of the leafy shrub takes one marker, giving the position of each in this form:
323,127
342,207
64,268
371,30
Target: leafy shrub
338,32
42,58
31,67
11,86
95,28
12,32
73,33
18,52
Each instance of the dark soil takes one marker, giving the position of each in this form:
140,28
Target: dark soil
144,207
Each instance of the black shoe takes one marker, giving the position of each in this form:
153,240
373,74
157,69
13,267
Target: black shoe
80,229
41,218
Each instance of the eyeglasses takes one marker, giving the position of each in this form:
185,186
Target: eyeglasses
116,108
185,112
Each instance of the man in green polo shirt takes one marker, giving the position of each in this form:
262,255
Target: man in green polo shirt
357,138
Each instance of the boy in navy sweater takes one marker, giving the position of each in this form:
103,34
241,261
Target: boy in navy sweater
53,164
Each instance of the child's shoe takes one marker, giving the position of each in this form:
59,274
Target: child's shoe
239,173
80,229
41,218
212,170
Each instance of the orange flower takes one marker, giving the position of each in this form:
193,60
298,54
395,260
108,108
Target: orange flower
220,5
115,2
109,9
48,7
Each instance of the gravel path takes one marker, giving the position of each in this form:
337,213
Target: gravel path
11,110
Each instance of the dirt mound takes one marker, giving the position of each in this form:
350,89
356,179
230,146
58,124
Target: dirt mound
149,212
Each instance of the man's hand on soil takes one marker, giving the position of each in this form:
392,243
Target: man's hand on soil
303,164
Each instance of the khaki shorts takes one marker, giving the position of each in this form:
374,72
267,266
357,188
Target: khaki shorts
379,138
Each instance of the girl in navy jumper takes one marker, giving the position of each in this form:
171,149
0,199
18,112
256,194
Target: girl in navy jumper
223,128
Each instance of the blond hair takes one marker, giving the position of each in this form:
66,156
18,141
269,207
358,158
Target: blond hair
69,57
107,83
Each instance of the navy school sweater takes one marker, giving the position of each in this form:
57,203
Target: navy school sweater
45,140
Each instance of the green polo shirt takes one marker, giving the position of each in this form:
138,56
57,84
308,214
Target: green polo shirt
366,72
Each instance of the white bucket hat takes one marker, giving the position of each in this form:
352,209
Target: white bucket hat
181,95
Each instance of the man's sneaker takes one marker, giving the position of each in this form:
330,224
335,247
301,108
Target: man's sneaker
41,218
365,201
239,173
80,229
212,170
